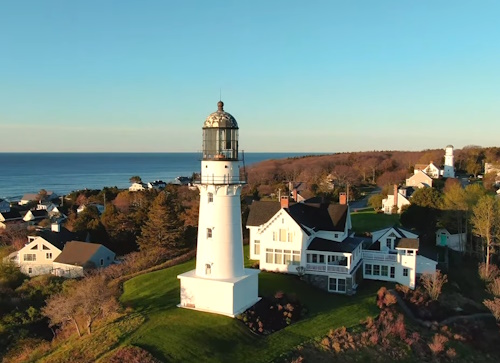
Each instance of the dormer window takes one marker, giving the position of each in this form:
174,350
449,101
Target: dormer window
388,243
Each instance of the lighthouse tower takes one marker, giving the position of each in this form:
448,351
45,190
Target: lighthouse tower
449,169
220,283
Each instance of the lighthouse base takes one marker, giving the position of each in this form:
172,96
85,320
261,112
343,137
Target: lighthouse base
228,297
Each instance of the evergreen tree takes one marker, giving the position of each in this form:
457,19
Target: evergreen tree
163,227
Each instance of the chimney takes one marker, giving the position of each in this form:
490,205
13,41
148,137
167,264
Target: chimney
284,201
294,192
342,198
395,195
55,227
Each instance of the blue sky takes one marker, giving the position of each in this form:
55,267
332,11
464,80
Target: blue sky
315,76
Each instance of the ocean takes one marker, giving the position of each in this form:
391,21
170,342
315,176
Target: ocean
62,173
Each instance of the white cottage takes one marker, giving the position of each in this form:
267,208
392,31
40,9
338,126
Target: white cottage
451,239
397,200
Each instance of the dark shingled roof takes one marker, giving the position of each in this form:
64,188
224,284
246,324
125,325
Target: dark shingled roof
261,212
58,239
317,216
77,253
12,215
348,245
407,243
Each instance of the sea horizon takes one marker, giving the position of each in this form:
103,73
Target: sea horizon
64,172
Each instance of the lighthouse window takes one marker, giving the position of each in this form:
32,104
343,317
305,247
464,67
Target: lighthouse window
210,197
209,232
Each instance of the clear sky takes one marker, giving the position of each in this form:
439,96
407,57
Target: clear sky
305,76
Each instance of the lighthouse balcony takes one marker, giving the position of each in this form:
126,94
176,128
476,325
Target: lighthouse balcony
219,179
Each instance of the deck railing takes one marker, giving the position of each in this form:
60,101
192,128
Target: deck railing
379,256
322,267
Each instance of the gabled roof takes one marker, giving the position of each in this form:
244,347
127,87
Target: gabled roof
399,230
411,243
39,214
58,239
30,196
10,216
78,253
347,246
261,212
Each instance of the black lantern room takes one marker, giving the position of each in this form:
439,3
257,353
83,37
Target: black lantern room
220,136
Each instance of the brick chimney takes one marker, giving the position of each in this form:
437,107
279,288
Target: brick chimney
284,201
343,198
395,195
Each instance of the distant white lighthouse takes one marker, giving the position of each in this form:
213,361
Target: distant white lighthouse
448,169
220,283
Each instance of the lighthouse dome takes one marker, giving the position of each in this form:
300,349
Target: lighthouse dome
220,119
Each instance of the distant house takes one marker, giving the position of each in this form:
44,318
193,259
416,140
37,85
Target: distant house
430,169
451,239
4,206
79,257
493,168
31,197
419,180
10,218
182,180
397,200
100,208
137,187
37,256
35,215
50,207
157,184
298,191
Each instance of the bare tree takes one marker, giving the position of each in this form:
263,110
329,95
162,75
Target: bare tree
62,308
433,283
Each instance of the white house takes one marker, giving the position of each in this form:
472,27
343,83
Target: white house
455,241
4,206
78,257
157,184
430,169
395,201
137,187
30,197
37,256
100,208
10,217
419,180
50,207
314,239
310,238
493,168
35,215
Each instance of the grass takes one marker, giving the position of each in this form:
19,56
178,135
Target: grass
174,334
369,221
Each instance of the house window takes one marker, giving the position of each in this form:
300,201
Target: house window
48,256
29,257
102,261
409,252
336,235
274,236
341,285
388,243
30,270
282,235
256,247
35,247
368,269
295,257
209,232
45,247
290,237
287,256
393,270
269,255
385,270
321,259
405,272
376,270
332,284
278,257
210,197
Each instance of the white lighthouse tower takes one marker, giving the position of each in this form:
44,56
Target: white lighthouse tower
220,283
448,169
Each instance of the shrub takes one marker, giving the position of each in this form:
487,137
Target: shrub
437,344
494,287
132,354
433,283
493,272
451,353
494,306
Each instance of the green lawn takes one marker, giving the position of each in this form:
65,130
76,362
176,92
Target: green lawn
174,334
369,221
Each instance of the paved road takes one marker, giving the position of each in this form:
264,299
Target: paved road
363,203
